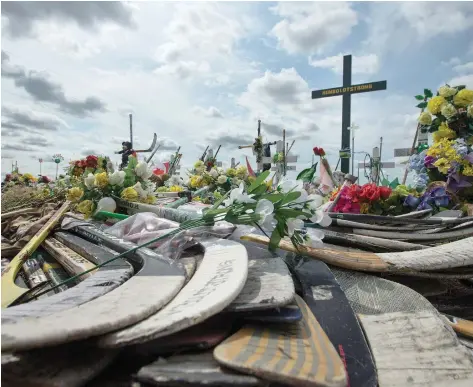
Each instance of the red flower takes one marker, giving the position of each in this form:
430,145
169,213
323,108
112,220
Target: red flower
370,193
91,161
319,151
8,177
45,179
385,192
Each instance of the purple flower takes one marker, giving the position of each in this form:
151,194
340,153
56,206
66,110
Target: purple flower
429,161
456,181
469,157
411,201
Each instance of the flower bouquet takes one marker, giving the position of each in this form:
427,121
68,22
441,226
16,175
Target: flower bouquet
96,191
365,199
449,117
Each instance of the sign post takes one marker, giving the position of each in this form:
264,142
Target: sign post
346,91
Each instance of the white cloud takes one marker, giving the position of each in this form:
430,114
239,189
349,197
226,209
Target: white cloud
451,62
311,27
211,112
464,68
365,64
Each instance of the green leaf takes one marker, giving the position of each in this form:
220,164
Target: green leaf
394,183
290,197
385,182
260,179
220,201
260,190
274,240
290,213
273,198
307,174
422,105
419,97
428,93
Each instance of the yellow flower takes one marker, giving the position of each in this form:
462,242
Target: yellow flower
448,111
28,176
435,104
425,118
446,91
150,199
443,132
86,207
251,179
469,110
176,188
231,172
129,194
468,170
241,172
101,180
198,164
364,208
74,194
196,181
463,98
443,165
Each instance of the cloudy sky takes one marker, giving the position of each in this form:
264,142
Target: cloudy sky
202,74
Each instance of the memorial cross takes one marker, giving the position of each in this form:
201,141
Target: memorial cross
346,91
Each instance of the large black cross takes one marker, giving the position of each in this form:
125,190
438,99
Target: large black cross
347,90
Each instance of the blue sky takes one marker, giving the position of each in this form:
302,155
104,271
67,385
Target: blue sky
204,73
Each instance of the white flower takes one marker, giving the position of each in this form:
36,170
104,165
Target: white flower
220,171
150,188
448,111
222,179
314,237
321,218
314,201
264,208
117,178
199,170
238,195
446,91
139,189
291,185
175,180
269,223
294,224
213,172
89,181
106,204
143,171
303,197
236,181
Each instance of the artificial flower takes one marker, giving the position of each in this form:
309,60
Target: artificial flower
89,181
463,98
425,118
443,132
385,192
238,195
435,104
117,178
150,199
264,208
469,110
468,170
231,172
213,172
101,180
198,164
314,237
140,191
74,194
106,204
86,207
142,170
222,179
364,208
293,225
91,161
129,194
443,165
319,151
370,192
241,172
447,91
220,170
448,111
176,188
